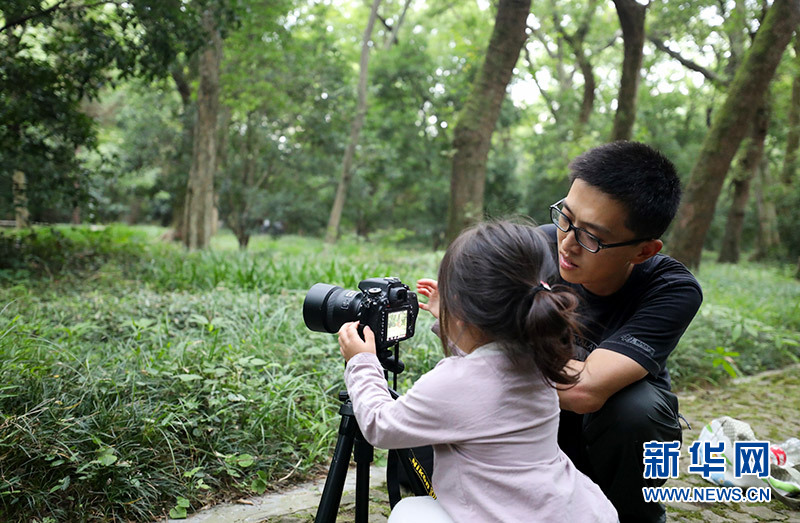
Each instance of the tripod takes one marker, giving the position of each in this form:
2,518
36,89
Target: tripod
351,442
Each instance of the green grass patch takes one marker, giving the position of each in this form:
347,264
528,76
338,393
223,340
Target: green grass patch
749,322
140,380
159,375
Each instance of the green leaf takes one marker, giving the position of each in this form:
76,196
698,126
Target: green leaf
190,473
729,368
199,320
62,485
107,457
177,513
258,485
245,460
189,377
143,323
737,331
202,484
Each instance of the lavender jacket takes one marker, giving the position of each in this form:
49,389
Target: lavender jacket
493,431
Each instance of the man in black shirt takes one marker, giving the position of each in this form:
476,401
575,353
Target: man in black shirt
636,304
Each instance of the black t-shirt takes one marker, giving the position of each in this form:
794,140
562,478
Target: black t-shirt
645,318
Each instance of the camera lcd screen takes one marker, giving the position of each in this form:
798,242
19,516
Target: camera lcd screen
396,325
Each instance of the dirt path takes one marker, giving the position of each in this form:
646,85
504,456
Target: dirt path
770,402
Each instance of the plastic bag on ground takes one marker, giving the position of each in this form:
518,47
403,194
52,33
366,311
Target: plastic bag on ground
784,477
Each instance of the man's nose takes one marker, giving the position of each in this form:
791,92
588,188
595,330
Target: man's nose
570,241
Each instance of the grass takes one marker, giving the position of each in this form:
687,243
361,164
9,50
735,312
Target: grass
139,380
152,377
749,322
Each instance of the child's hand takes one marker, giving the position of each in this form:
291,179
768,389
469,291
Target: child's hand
429,288
350,343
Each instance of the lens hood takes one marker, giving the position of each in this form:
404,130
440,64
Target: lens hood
314,306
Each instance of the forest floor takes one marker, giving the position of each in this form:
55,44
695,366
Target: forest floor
769,402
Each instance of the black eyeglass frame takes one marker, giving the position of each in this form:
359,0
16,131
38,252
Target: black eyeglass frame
556,213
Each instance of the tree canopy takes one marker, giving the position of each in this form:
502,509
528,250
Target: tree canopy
99,106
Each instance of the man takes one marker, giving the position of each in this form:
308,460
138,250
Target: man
636,304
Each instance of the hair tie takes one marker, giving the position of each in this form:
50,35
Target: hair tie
543,286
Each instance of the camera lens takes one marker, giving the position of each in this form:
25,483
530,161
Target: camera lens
327,307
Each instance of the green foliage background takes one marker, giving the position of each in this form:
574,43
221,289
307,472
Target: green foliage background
140,379
288,80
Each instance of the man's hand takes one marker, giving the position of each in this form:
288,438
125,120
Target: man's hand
350,343
430,289
602,374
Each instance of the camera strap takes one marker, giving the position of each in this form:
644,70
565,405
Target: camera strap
393,478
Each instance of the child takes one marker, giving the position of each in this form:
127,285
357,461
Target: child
491,410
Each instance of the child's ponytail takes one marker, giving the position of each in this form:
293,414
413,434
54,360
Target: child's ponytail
548,325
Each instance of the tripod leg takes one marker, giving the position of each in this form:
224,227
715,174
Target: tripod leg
334,484
364,455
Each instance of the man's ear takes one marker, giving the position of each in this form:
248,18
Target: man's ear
647,250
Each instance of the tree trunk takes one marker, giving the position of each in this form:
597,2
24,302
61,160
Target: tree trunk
768,240
789,171
730,249
76,207
240,202
589,86
21,213
631,18
134,212
332,232
473,133
728,129
576,42
199,211
183,86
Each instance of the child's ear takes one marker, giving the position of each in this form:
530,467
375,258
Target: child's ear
647,250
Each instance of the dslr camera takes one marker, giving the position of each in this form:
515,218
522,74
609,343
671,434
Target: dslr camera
385,305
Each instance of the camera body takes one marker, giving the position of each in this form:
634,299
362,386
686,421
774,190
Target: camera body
386,305
389,309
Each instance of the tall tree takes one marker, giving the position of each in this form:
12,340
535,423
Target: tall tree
21,214
793,136
788,177
56,55
749,165
473,133
332,231
265,68
768,239
729,128
576,40
631,18
199,216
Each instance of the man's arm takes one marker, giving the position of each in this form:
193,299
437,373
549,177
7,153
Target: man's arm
602,374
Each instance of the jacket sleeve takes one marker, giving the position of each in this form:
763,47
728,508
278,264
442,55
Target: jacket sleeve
429,413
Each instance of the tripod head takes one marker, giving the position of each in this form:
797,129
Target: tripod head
390,361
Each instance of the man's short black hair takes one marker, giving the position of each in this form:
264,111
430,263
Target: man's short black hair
639,177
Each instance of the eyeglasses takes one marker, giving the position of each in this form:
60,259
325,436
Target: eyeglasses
585,239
